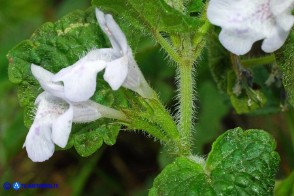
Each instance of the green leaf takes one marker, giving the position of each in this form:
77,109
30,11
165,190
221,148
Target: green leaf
243,163
86,143
195,7
182,177
285,59
285,187
240,163
153,14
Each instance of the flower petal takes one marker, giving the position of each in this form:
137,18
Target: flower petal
134,76
282,12
278,6
38,142
85,112
250,21
285,21
61,128
40,73
117,33
103,25
275,41
49,108
237,43
116,72
112,30
80,79
105,54
44,77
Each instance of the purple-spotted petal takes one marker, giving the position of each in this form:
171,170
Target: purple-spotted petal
250,21
38,143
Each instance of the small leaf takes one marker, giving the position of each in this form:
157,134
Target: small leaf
240,163
86,143
109,133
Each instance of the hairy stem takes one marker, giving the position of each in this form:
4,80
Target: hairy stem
186,104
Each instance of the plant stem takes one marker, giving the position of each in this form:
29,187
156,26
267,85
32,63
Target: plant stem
269,59
186,104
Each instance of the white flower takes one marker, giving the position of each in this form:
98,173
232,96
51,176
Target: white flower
79,79
120,67
124,70
54,117
244,22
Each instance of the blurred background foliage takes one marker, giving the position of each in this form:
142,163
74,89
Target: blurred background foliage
128,167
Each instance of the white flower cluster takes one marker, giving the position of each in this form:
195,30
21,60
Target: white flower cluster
244,22
66,94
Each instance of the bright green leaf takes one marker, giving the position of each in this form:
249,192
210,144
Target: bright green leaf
243,163
240,163
182,177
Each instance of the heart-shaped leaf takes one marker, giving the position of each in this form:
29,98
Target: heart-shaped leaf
240,163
